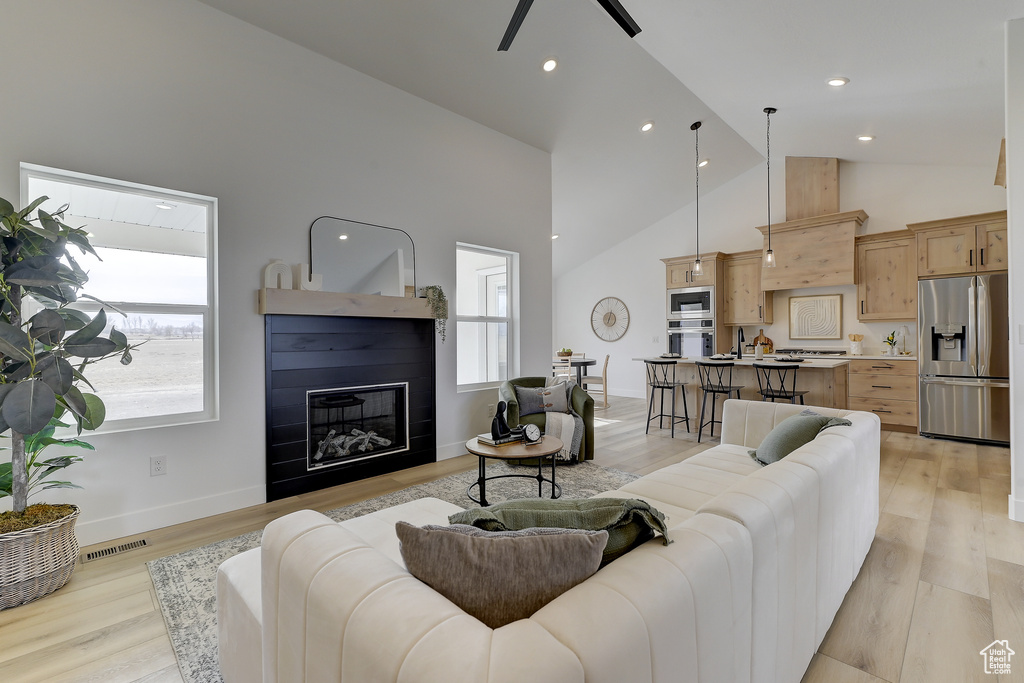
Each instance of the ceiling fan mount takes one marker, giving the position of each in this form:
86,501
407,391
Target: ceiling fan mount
613,7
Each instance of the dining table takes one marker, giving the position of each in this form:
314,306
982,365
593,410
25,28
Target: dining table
580,363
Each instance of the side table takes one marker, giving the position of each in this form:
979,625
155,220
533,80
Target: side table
547,447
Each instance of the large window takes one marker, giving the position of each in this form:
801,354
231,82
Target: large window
485,292
156,266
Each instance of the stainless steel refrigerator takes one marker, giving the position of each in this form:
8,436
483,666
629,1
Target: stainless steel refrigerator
963,358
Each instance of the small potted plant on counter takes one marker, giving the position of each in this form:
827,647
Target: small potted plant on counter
890,341
45,346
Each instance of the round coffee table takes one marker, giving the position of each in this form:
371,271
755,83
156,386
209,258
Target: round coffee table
547,447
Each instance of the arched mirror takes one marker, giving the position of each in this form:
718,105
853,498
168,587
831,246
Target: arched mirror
362,258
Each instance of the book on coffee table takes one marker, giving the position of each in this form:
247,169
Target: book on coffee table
504,441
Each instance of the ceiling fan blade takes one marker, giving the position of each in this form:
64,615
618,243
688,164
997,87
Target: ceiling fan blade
513,26
621,16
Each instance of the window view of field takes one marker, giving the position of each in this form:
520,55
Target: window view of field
165,376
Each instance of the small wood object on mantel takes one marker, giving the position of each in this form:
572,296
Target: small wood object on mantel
769,345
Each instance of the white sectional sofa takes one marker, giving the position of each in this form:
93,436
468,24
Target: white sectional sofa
760,562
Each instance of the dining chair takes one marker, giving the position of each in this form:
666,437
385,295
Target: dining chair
778,380
561,369
715,379
601,379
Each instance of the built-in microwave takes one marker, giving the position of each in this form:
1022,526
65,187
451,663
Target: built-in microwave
691,302
691,338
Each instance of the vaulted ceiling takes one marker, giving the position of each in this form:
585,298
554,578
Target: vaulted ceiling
926,79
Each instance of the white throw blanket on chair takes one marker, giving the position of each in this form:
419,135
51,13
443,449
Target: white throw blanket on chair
563,426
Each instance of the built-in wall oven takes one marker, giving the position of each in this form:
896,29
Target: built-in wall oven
691,303
691,338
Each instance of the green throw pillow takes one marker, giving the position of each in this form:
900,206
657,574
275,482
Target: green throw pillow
792,433
629,522
499,577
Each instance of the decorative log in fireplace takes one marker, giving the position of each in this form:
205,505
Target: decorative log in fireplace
321,374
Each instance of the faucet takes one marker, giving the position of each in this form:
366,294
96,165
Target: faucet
739,343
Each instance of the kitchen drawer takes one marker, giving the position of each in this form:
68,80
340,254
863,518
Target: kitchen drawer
884,367
887,386
889,411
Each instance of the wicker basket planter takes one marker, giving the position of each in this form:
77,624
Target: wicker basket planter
37,561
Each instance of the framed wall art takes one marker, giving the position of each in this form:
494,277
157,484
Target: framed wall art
816,317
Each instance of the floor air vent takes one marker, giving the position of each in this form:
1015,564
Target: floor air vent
114,550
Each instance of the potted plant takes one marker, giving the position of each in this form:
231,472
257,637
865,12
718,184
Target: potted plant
890,341
45,346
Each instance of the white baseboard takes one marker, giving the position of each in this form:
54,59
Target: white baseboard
625,393
94,531
1016,509
451,450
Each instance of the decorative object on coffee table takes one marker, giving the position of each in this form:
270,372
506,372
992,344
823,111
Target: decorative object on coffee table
499,427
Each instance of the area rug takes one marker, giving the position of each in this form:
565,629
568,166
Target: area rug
186,582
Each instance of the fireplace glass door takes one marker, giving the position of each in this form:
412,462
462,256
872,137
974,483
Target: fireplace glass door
349,424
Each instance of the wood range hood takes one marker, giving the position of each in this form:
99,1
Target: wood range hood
816,246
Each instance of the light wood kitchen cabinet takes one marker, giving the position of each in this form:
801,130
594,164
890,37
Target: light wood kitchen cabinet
813,252
887,276
960,246
679,271
744,302
992,250
887,388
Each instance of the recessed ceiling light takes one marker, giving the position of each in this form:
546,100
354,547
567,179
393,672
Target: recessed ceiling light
646,126
838,81
164,206
550,64
342,236
554,237
703,163
865,138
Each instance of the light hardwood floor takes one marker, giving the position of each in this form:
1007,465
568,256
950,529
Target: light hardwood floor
944,577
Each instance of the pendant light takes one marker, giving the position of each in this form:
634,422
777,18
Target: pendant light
769,256
698,269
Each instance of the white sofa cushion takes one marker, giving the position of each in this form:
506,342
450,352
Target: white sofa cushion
679,490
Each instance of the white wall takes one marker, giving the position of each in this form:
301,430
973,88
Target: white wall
175,94
1015,198
891,195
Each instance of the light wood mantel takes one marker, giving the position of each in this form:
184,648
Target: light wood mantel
303,302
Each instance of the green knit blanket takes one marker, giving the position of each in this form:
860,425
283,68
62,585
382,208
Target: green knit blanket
628,521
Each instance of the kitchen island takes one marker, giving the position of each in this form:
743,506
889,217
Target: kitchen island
824,378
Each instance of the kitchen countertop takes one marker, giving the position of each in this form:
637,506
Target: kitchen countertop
808,362
816,362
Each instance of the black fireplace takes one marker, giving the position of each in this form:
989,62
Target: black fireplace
370,381
349,424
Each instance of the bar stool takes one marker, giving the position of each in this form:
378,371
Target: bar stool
715,379
778,380
661,376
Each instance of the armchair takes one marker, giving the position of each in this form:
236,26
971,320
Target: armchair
581,402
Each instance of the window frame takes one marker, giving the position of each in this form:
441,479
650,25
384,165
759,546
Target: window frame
511,317
208,311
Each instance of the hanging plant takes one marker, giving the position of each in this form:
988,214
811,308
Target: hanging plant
438,307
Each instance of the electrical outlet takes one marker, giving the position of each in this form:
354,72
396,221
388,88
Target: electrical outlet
157,465
655,339
491,407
